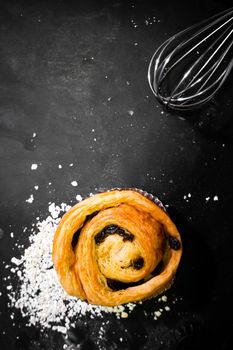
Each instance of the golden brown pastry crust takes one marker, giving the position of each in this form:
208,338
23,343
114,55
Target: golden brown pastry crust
84,270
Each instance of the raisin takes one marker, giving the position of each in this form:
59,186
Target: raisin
174,243
110,229
127,236
100,237
113,229
138,263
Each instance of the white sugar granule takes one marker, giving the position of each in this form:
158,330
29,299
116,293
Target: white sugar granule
157,313
39,295
30,199
164,298
16,261
78,198
34,166
74,183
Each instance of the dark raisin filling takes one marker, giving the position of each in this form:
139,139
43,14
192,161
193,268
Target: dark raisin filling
158,269
77,233
138,263
113,229
118,285
174,243
75,239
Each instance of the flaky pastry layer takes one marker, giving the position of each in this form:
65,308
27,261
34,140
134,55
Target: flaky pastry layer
130,255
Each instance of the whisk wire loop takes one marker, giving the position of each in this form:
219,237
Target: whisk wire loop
191,66
211,70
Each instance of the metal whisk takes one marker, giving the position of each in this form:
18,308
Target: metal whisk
191,66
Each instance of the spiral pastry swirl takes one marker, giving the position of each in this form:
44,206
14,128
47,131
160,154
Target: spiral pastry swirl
116,247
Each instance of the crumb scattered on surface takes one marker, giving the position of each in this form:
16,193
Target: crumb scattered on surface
78,198
34,166
30,199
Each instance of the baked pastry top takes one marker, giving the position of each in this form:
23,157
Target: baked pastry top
116,247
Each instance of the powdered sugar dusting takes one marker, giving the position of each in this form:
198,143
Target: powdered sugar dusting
40,296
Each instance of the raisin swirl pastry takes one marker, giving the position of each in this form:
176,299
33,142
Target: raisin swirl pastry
116,247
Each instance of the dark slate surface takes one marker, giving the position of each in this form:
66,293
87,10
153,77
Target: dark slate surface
75,73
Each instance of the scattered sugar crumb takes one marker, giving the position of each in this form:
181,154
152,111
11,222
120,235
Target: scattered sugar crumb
60,329
34,134
34,166
131,112
16,261
187,197
164,298
215,198
74,183
78,198
59,166
30,199
124,314
12,234
55,210
167,308
157,313
36,187
71,164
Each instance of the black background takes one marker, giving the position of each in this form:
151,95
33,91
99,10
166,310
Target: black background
72,72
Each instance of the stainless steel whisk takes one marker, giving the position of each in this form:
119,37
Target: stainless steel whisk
191,66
